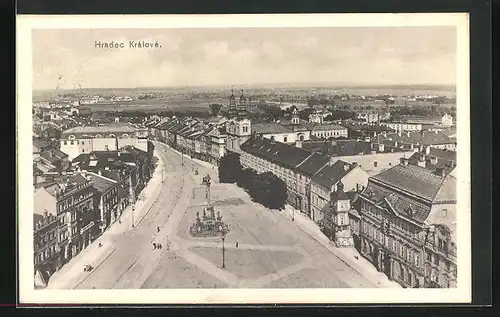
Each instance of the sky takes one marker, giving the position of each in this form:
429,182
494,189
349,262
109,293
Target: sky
237,56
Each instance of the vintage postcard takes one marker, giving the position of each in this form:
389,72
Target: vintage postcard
244,159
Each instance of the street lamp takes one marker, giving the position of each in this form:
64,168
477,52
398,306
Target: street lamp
133,209
223,233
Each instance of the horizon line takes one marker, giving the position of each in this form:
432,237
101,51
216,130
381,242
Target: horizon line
261,85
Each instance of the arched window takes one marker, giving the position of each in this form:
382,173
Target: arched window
285,139
98,136
125,135
301,138
71,137
272,137
112,135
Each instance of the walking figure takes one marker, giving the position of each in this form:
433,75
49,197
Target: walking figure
159,246
236,243
158,229
154,246
100,244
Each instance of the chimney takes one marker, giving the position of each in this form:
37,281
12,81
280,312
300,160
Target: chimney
381,147
384,134
346,167
100,173
434,160
408,134
442,172
422,161
399,133
298,143
404,161
428,150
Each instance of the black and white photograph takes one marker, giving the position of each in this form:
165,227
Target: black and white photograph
244,159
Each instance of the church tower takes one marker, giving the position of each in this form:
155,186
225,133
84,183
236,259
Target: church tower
340,205
242,107
295,116
232,105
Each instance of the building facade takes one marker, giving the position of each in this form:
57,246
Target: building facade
76,216
106,200
407,226
325,182
327,131
403,126
45,243
112,137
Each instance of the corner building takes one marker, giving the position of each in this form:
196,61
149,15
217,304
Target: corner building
408,225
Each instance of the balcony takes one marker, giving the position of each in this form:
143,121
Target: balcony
87,227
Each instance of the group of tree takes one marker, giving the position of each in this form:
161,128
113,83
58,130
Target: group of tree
340,115
215,108
264,188
163,113
433,110
272,112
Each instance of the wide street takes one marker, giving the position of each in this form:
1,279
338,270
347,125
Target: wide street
272,251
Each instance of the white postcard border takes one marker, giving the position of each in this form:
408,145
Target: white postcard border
461,294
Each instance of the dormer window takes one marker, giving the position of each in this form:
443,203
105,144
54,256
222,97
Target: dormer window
98,136
125,136
112,136
71,137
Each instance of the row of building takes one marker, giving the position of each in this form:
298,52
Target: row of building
72,210
402,218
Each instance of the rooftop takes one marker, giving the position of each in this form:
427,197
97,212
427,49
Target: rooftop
412,179
270,127
422,137
332,174
313,164
110,128
325,127
100,183
279,153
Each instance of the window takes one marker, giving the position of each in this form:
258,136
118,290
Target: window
83,143
65,142
71,142
375,164
285,139
436,260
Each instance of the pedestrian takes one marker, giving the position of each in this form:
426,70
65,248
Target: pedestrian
100,244
159,246
158,229
154,246
236,244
